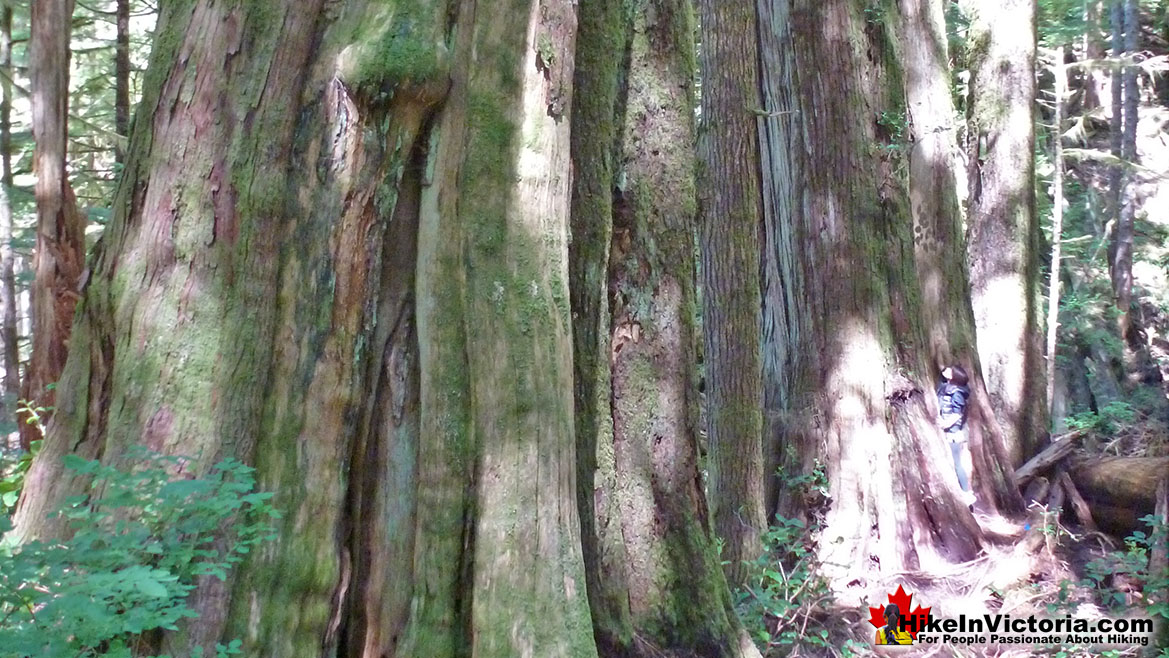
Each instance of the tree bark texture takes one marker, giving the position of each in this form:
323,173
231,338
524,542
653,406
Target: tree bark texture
786,367
730,219
859,401
60,245
601,69
339,253
1003,239
662,590
8,334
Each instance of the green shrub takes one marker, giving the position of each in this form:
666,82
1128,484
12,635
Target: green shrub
137,546
785,598
12,472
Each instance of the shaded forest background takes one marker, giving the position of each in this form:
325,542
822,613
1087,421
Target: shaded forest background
741,504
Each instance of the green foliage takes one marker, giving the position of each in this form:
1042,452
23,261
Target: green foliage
1108,420
784,600
12,473
1130,564
34,414
139,540
1060,21
894,125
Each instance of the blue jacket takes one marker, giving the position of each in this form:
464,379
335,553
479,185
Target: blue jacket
952,406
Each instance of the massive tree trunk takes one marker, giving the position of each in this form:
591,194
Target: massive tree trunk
60,245
860,402
730,220
260,294
1003,235
935,172
655,583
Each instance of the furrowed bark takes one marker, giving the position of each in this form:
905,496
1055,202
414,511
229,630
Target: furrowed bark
730,218
787,367
232,308
529,589
677,593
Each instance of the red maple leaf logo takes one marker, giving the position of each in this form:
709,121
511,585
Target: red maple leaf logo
902,600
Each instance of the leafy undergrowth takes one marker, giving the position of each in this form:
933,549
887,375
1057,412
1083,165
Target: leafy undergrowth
137,547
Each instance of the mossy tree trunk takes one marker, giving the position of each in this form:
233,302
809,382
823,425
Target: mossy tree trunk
730,220
339,253
1003,249
860,400
656,586
60,244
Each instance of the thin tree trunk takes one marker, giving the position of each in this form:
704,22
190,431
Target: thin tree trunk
1122,268
122,79
1095,77
8,332
1060,71
1003,250
730,218
1116,138
60,245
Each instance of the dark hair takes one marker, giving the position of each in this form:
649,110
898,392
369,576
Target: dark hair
895,612
958,375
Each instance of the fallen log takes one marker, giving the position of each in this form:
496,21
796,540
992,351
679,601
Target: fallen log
1121,481
1119,490
1060,447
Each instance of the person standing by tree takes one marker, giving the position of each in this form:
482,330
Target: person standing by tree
952,397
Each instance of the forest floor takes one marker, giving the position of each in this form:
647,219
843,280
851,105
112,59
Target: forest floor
1067,572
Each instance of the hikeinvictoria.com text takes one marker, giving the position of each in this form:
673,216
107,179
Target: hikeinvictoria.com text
1005,629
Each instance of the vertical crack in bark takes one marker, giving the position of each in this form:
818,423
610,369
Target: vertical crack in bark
369,611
